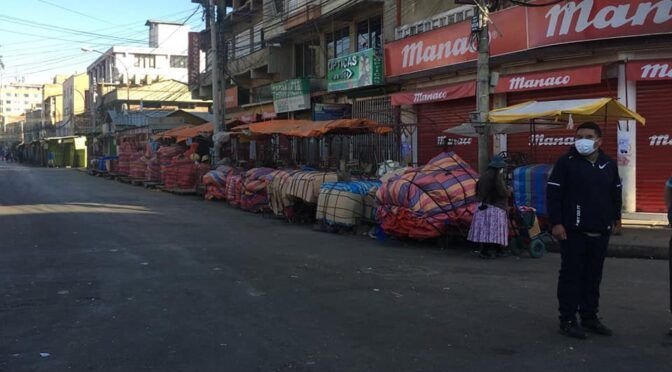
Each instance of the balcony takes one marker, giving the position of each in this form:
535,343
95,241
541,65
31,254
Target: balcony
301,13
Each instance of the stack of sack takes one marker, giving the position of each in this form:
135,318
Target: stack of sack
342,203
294,194
138,167
186,173
126,152
254,189
423,202
529,186
153,170
215,182
165,155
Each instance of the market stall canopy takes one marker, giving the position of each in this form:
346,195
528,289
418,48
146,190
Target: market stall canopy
200,130
309,128
468,130
567,111
170,133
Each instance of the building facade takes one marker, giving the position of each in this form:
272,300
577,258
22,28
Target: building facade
75,97
165,57
17,98
321,59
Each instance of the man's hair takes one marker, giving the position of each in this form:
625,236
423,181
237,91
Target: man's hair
593,126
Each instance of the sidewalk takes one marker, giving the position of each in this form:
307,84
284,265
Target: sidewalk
641,242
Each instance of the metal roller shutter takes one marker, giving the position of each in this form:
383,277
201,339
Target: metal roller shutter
555,143
654,144
434,118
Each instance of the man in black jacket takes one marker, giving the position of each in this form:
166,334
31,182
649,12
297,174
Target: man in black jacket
584,202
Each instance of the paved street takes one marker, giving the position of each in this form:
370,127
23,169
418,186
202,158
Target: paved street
102,276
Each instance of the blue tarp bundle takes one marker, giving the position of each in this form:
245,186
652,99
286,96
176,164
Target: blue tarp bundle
355,187
529,186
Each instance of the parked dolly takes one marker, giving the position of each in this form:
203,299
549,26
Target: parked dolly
527,235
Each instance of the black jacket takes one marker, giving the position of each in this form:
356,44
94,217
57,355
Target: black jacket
583,196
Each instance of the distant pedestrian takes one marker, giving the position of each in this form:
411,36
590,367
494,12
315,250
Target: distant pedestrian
490,224
584,203
668,205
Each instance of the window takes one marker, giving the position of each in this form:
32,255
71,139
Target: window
144,61
338,43
26,95
242,44
178,61
305,58
8,102
9,94
369,34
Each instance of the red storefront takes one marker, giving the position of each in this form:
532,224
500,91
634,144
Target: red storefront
574,83
654,140
438,109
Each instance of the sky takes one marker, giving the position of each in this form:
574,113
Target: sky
42,38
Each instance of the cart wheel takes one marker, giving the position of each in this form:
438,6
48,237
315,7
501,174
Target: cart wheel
516,246
537,248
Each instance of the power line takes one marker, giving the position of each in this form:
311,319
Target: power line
74,11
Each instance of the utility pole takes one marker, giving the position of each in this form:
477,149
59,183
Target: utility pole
480,26
217,111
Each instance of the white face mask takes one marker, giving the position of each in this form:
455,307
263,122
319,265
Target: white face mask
585,146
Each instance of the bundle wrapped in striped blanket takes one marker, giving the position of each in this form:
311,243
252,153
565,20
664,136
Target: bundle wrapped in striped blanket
343,203
423,202
254,192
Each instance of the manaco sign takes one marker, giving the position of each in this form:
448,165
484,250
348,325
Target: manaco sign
550,79
650,70
573,21
565,22
450,45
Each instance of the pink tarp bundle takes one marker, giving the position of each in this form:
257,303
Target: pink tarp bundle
254,192
215,182
233,189
424,202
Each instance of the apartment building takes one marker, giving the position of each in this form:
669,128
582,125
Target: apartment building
17,98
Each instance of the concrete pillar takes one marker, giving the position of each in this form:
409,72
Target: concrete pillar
499,142
627,142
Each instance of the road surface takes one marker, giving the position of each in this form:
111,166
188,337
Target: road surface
102,276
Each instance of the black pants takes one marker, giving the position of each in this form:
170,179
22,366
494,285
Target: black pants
581,275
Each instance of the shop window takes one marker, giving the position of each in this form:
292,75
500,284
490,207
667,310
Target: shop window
144,61
305,58
178,61
369,34
338,43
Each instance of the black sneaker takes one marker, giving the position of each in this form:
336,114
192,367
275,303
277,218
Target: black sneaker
595,326
572,329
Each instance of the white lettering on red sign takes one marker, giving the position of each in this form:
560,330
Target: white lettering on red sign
542,140
424,97
522,82
577,14
656,71
660,140
445,141
417,53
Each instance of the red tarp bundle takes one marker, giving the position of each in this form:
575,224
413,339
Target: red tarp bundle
425,201
254,193
168,171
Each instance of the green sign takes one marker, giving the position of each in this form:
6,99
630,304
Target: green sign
361,69
291,95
